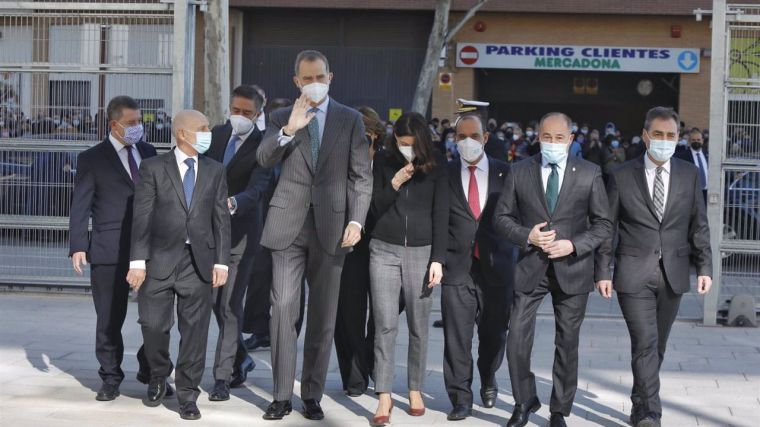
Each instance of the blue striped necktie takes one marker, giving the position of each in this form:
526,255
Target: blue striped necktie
314,137
229,152
188,182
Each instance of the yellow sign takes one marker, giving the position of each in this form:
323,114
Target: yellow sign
444,80
394,114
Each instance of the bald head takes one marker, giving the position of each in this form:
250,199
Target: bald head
184,126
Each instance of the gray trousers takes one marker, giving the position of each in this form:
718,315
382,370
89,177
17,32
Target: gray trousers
394,269
228,310
322,270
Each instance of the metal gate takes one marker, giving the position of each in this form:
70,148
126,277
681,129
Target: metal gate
734,187
60,63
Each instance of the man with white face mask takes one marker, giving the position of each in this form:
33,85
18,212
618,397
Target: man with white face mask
477,278
657,207
315,216
554,208
234,144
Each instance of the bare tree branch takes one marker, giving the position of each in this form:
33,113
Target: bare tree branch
470,13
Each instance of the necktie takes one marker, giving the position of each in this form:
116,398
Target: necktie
229,152
314,138
702,167
552,188
133,171
659,195
188,182
473,199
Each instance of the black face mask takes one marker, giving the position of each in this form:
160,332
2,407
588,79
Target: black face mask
696,145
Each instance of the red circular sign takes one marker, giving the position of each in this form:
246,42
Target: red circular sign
468,55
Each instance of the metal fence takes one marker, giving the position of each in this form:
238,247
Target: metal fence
60,63
734,195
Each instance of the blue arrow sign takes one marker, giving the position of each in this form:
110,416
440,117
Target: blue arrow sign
688,60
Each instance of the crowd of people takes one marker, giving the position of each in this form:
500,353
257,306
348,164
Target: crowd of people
240,218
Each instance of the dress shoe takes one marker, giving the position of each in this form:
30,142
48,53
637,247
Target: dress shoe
650,420
156,391
189,411
557,420
438,324
241,374
489,395
312,410
416,412
381,420
255,342
522,412
638,412
278,409
459,412
221,391
143,376
107,392
355,392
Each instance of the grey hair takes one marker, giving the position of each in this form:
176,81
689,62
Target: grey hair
564,116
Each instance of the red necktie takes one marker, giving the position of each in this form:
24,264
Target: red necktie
473,199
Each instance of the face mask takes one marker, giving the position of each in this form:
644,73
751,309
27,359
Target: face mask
682,142
636,140
132,134
407,152
388,130
515,137
470,149
574,128
610,131
696,146
241,124
584,131
316,91
57,121
661,149
160,126
75,122
615,143
554,153
499,135
202,142
529,133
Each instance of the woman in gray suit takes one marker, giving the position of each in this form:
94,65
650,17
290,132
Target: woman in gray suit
410,204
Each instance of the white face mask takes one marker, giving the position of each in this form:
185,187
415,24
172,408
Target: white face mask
407,152
316,91
202,142
470,150
241,124
661,149
554,153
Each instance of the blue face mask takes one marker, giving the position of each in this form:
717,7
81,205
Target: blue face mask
202,142
615,143
554,153
661,150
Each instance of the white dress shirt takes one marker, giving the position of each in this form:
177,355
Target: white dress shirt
650,169
481,177
121,151
261,122
697,156
546,170
180,158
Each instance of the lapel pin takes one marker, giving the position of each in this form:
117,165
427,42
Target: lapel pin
500,174
573,169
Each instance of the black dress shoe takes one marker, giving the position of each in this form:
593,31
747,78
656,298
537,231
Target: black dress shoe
355,392
522,412
241,374
557,420
489,395
107,392
650,420
221,391
169,390
143,376
312,410
438,324
156,391
255,342
459,412
189,411
278,409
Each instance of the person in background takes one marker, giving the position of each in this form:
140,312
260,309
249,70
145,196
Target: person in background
410,205
576,147
614,156
104,187
534,147
698,156
635,148
593,151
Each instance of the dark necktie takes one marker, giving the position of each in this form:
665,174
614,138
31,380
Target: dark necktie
229,152
552,188
659,195
473,199
188,182
701,165
133,170
314,137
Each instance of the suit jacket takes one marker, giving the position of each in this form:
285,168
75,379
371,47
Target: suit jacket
685,154
339,190
581,216
104,191
247,182
642,239
496,254
163,221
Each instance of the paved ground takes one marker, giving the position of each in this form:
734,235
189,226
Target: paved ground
711,376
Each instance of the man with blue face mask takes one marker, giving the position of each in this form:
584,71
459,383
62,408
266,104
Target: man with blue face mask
554,208
657,207
180,250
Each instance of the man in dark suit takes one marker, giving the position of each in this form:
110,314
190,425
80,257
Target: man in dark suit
234,144
555,209
315,216
104,186
656,204
477,286
181,235
698,156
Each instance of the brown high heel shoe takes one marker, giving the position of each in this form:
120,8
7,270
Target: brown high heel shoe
416,412
381,420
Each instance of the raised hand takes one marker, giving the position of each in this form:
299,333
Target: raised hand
299,117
